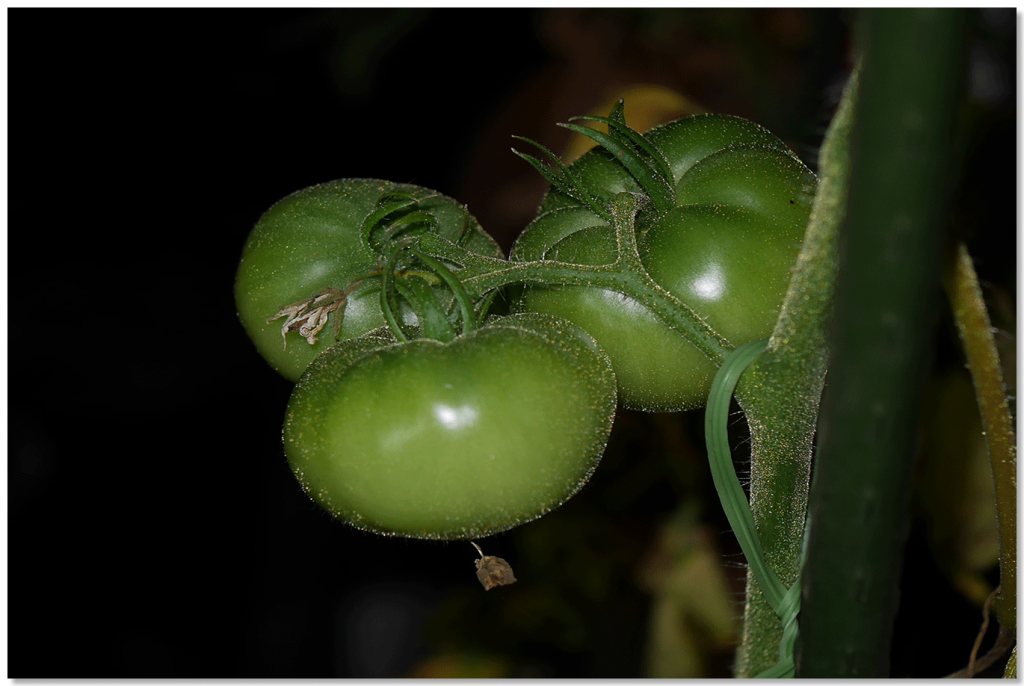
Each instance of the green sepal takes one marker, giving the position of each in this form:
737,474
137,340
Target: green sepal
618,113
433,322
659,190
413,223
484,306
385,206
660,167
562,178
469,320
388,302
466,232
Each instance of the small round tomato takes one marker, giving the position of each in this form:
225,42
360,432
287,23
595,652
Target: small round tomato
311,241
452,440
742,203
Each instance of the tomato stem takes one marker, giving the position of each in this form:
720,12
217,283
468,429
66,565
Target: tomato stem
975,328
780,393
625,276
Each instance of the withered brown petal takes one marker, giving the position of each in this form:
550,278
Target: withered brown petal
494,571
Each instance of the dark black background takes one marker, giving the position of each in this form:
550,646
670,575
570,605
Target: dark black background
154,527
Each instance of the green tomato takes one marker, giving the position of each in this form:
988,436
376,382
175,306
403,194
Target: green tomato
452,440
743,201
310,241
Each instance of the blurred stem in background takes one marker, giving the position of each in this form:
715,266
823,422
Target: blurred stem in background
975,329
913,69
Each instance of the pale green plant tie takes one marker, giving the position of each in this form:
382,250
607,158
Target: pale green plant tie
785,601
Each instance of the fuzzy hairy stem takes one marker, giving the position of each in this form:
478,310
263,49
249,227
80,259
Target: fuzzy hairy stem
975,329
780,393
625,276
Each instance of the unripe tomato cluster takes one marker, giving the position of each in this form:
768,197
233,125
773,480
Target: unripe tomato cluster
742,202
416,414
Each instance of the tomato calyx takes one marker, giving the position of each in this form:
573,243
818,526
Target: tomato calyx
642,159
396,216
407,279
392,231
563,178
413,285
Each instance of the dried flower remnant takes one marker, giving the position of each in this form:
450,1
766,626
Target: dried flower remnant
309,316
493,571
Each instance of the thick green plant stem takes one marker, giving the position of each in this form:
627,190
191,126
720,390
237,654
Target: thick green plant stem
886,299
780,393
784,601
975,329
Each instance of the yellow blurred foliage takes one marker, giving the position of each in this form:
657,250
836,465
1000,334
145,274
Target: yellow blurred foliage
693,616
954,487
